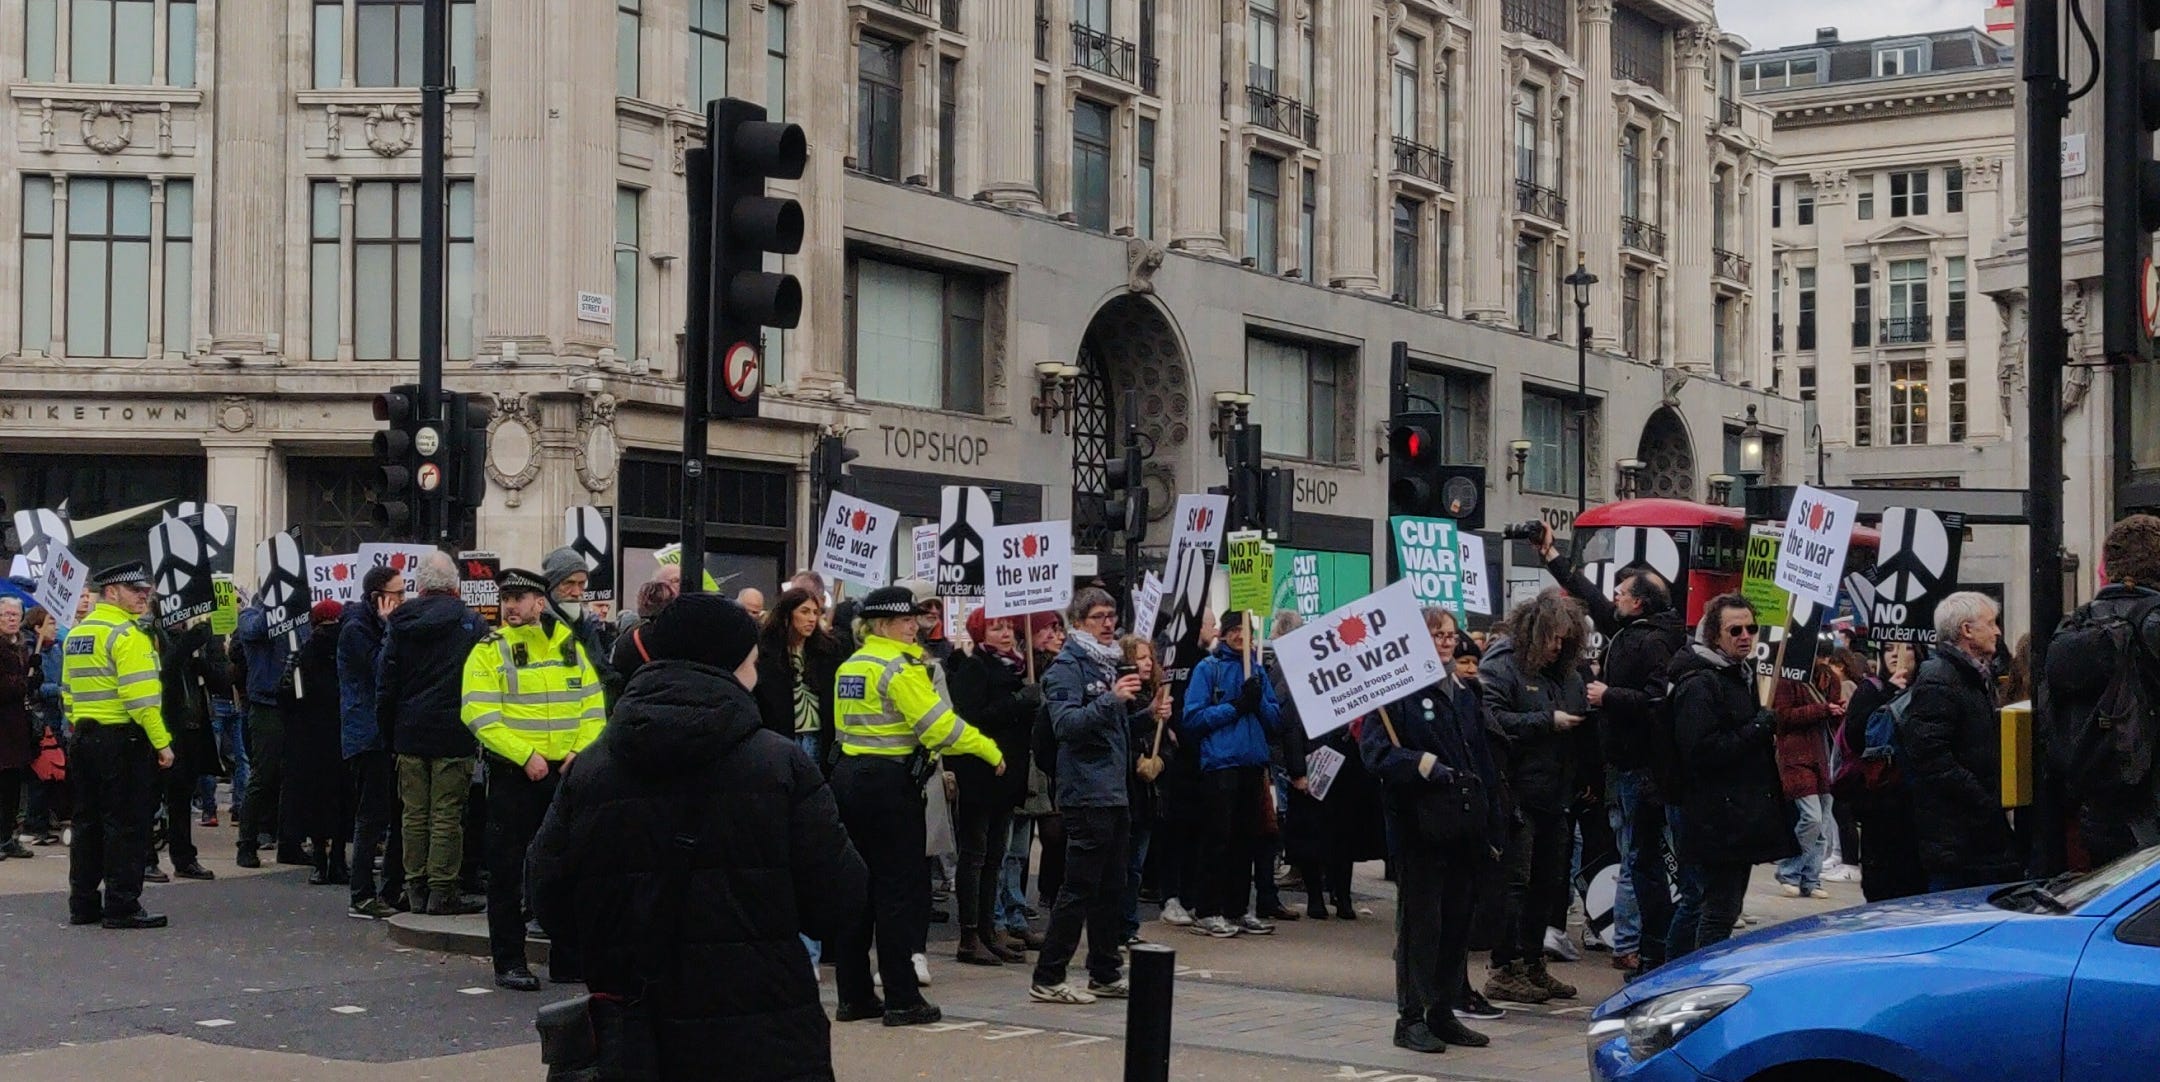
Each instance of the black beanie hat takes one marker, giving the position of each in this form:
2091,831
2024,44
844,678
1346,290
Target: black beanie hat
701,627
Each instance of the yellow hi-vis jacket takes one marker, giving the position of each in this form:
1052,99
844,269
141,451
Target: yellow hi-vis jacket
532,689
109,673
885,704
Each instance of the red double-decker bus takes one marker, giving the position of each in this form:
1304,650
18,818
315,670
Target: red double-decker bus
1700,548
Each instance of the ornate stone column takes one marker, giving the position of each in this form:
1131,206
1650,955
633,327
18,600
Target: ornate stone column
1352,125
827,45
1488,109
1005,66
1194,119
248,216
1692,213
1598,226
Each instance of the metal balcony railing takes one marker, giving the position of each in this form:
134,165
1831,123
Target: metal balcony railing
1280,113
1729,265
1427,163
1728,113
1641,236
922,8
1150,78
949,14
1907,330
1539,201
1546,19
1105,55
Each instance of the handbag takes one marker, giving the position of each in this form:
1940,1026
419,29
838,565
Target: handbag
1448,813
600,1037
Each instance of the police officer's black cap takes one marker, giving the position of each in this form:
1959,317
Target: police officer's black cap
512,580
131,573
889,601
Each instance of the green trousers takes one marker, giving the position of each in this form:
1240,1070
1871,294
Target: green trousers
434,792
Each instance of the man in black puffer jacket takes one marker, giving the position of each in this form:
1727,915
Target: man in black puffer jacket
1642,633
1733,813
419,685
687,853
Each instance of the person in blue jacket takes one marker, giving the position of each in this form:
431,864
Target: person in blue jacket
1230,712
366,748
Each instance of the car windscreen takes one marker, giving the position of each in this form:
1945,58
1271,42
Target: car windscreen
2084,889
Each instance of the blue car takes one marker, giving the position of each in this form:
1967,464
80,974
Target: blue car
2036,982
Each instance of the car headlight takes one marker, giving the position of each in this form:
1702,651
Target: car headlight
1658,1024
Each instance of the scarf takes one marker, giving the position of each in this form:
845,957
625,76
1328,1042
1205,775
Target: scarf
1109,655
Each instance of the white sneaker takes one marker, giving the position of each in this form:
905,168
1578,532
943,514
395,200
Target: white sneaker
1254,925
1174,913
1843,873
1214,926
1790,890
1060,993
922,969
1560,946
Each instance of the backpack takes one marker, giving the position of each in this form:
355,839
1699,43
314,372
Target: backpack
2101,722
1664,742
1845,761
1043,742
1878,765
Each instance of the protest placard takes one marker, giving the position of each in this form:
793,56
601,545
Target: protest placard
220,529
477,575
180,569
1476,588
225,619
590,532
1812,558
1322,764
405,558
1198,521
1250,570
854,541
925,539
1430,557
37,531
1358,658
1915,569
335,578
1030,568
1758,574
284,591
1147,605
59,583
1298,583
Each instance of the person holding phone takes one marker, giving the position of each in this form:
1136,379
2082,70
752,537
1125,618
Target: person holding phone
1153,742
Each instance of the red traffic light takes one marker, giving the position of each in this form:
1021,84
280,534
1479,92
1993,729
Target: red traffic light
394,407
1412,446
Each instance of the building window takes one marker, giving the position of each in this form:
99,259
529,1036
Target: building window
386,43
1638,48
1443,258
1803,202
1263,31
948,125
1909,194
1954,318
1459,400
1864,201
1091,165
922,331
877,106
37,262
110,41
1042,153
1263,205
707,53
1775,74
106,306
1908,301
1718,213
1957,400
1899,60
1631,298
1908,403
1309,224
1446,102
627,222
1863,304
1631,187
1777,204
776,60
629,36
383,280
1954,189
1526,284
1409,247
1294,387
1405,87
1720,334
1863,405
1144,177
1805,328
1526,133
1555,434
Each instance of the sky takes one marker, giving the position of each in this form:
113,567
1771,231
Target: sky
1769,24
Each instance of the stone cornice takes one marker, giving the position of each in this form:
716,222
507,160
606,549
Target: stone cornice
1994,88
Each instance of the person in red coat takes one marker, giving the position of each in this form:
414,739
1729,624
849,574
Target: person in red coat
1805,714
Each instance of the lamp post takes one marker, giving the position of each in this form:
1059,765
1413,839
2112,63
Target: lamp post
1751,454
1821,453
1581,281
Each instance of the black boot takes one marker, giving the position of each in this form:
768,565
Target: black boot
248,858
319,856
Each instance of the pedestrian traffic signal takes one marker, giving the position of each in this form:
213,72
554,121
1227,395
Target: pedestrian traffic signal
396,459
830,466
1278,502
1420,484
1125,491
2129,181
465,470
747,150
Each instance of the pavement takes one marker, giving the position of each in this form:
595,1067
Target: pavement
263,978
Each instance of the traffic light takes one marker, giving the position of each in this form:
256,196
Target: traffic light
747,150
1125,503
1278,501
1245,478
2130,181
1420,484
465,469
396,458
830,461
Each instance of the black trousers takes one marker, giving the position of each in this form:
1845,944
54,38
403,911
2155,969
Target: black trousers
1233,830
115,776
11,799
1092,898
982,829
1724,889
1050,875
516,805
882,808
1327,880
265,734
374,777
1536,866
176,789
1436,900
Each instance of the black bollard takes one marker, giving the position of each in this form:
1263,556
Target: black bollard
1147,1013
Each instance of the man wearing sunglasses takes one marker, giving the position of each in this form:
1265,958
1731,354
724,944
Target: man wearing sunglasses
1731,804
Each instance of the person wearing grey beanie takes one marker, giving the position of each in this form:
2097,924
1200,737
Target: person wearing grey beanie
566,575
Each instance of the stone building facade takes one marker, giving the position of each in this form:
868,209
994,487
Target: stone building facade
1232,207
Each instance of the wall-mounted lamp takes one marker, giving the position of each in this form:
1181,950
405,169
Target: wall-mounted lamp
1721,485
1630,481
1751,448
1231,410
1056,385
1519,451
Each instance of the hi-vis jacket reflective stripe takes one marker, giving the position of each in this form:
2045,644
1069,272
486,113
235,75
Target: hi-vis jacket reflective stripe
109,674
551,704
885,704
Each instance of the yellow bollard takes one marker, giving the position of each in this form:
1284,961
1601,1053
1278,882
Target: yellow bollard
2017,755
